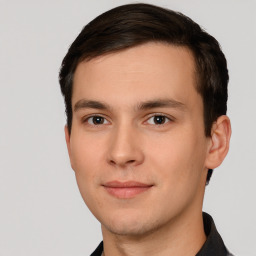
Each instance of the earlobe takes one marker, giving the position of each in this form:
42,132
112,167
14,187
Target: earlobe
219,142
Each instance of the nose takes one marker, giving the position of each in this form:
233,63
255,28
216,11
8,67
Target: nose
125,148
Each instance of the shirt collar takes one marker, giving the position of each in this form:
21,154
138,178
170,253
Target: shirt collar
214,244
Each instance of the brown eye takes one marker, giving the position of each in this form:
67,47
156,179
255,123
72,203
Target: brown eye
96,120
158,120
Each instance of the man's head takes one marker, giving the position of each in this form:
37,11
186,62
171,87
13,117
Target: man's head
131,25
145,91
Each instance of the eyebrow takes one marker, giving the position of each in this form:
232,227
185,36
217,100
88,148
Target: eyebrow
90,104
160,103
146,105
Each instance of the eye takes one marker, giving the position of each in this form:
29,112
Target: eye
96,120
158,120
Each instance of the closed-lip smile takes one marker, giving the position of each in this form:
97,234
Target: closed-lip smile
127,189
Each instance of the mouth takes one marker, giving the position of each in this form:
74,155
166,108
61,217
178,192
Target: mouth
126,190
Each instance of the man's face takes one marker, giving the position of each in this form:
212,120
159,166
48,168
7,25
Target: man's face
137,144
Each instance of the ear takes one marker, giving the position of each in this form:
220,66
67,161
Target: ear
219,142
67,138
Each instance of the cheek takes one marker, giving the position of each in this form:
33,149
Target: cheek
177,169
86,152
86,159
178,160
171,150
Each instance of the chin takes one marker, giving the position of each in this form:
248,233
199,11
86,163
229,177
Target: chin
127,230
128,226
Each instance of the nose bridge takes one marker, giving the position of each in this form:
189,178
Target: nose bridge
124,148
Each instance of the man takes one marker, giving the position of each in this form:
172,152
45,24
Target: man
145,90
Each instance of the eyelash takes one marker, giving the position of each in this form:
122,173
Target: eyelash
85,120
166,118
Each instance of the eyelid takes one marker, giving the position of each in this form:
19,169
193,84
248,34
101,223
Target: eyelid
170,118
87,117
161,114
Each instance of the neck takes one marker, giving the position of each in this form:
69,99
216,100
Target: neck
182,236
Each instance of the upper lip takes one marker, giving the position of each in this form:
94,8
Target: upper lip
125,184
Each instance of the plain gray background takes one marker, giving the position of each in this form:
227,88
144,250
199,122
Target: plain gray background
41,210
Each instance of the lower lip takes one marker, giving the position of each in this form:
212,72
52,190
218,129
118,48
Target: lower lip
126,193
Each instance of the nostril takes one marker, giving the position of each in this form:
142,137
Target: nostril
112,162
124,163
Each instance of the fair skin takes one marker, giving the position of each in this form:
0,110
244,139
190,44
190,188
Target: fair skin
139,151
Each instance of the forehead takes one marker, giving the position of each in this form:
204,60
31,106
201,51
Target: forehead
139,72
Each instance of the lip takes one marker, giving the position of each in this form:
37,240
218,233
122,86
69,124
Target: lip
127,189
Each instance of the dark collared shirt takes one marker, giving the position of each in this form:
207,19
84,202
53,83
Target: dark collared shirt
213,246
